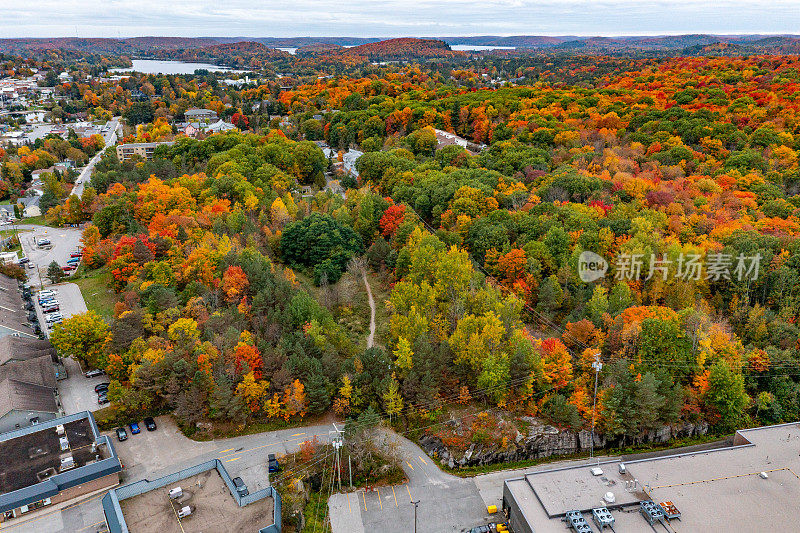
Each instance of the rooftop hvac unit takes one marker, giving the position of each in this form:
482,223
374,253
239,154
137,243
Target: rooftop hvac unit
60,429
64,442
67,462
609,497
184,512
597,471
622,468
175,493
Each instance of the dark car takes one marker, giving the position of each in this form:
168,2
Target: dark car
94,373
241,488
101,387
274,465
481,529
150,424
121,434
51,308
135,429
23,260
102,398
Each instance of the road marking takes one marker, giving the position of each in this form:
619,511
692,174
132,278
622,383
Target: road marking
349,509
232,460
409,494
421,459
364,494
228,450
409,465
379,497
92,525
395,497
297,434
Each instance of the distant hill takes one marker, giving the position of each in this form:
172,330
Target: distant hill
240,55
404,48
319,48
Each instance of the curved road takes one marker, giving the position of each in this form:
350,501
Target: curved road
85,176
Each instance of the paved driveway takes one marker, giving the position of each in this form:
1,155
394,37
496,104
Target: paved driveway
64,240
152,454
77,391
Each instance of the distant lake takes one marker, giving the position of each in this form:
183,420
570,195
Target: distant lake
478,47
153,66
292,51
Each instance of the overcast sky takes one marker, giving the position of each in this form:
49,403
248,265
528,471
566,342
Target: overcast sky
392,18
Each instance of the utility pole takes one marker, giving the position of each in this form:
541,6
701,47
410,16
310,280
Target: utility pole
597,366
350,468
415,504
337,442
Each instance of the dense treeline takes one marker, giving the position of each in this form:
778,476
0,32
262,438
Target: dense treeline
682,175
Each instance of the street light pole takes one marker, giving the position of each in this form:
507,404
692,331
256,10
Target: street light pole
597,366
415,503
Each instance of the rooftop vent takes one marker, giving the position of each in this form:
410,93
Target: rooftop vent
597,471
609,497
175,493
622,468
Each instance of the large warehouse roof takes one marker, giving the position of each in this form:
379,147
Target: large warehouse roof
745,487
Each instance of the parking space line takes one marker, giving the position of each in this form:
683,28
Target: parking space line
409,465
92,525
297,434
421,459
409,493
349,509
232,460
228,450
364,494
379,498
395,497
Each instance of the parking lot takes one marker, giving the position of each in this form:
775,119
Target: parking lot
70,302
64,241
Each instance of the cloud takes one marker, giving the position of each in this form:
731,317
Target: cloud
281,18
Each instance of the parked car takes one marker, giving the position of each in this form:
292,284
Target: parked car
135,429
44,242
68,268
50,309
150,424
45,293
24,260
241,488
93,373
53,317
101,387
274,465
76,254
121,434
31,266
74,261
102,399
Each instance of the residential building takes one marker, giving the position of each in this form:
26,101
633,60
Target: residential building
54,462
207,489
30,205
195,114
143,150
13,318
28,393
349,159
743,488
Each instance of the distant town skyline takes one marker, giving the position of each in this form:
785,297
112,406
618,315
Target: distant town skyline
394,18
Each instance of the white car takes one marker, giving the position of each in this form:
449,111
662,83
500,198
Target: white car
53,318
45,294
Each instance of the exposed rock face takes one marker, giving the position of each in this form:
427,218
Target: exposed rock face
545,441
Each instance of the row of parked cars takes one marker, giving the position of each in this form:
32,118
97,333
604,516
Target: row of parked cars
122,433
50,307
73,262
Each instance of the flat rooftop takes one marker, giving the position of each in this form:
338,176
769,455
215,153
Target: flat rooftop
214,508
717,490
34,457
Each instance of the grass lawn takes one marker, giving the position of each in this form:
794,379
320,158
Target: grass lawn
95,289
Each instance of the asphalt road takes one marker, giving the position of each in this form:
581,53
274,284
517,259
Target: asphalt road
86,174
445,502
